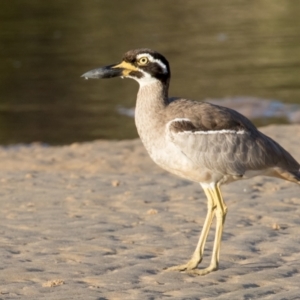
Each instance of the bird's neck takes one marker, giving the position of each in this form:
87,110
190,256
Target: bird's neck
152,97
152,100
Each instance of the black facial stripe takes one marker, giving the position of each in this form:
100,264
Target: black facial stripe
155,70
136,74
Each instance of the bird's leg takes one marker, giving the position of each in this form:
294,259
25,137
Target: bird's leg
198,253
220,212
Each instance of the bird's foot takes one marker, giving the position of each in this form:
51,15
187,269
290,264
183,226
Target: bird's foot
191,268
201,272
190,265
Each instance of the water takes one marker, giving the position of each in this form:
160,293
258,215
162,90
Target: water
217,49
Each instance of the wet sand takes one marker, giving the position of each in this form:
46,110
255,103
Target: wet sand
101,221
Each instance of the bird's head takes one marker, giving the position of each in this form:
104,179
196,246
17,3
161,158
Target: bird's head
143,65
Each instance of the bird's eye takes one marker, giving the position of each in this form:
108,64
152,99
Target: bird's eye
143,61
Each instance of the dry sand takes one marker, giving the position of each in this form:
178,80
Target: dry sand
100,221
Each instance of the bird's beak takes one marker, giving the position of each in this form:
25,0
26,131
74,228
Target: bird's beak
119,70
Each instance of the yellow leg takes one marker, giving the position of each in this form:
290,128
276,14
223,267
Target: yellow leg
220,212
216,206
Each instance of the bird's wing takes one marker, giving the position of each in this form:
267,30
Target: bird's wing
230,145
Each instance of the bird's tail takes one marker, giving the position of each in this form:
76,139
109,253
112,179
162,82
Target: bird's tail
297,177
293,176
286,165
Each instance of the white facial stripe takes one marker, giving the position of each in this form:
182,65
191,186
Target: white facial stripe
152,59
223,131
146,75
147,79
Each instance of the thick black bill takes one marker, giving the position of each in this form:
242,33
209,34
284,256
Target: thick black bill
105,72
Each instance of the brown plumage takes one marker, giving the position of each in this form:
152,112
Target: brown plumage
199,141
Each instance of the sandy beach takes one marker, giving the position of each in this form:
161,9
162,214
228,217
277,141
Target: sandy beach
101,221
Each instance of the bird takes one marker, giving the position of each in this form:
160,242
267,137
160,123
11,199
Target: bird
199,141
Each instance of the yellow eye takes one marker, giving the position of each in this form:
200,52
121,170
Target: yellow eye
143,61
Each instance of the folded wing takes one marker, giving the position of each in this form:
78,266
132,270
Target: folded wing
229,145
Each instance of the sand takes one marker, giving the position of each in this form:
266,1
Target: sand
100,221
